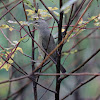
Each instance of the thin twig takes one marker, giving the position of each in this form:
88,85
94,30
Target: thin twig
23,77
18,91
79,86
9,4
80,66
9,9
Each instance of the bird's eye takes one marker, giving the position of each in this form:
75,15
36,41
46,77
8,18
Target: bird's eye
36,22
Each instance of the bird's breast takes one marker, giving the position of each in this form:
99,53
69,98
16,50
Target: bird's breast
40,40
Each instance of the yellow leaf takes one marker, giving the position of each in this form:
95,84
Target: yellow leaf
81,21
41,11
72,52
22,39
10,61
63,30
10,28
20,49
55,8
50,8
92,18
4,26
7,56
69,38
65,53
75,51
6,66
12,56
7,53
0,63
30,12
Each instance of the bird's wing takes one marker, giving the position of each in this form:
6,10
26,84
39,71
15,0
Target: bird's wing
48,45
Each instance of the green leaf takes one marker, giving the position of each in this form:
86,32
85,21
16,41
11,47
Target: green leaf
69,3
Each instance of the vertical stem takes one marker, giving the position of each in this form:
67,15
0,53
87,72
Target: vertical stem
10,71
59,53
33,67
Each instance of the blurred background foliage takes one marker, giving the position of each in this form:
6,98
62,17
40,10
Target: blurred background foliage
86,47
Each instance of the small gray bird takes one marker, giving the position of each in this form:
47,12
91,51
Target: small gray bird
46,40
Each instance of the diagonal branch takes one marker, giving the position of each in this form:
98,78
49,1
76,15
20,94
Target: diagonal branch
81,64
79,86
49,11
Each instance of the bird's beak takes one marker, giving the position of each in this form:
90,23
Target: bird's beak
35,25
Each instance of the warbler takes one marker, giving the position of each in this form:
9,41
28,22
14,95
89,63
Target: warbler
46,40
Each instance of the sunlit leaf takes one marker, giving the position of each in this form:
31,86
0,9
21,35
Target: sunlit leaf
62,30
72,52
81,21
55,8
41,13
22,39
10,61
44,13
65,53
0,63
7,53
97,24
19,49
10,28
6,66
30,12
4,26
92,18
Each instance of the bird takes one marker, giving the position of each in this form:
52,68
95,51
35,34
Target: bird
46,40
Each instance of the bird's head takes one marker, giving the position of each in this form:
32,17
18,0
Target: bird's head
40,24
